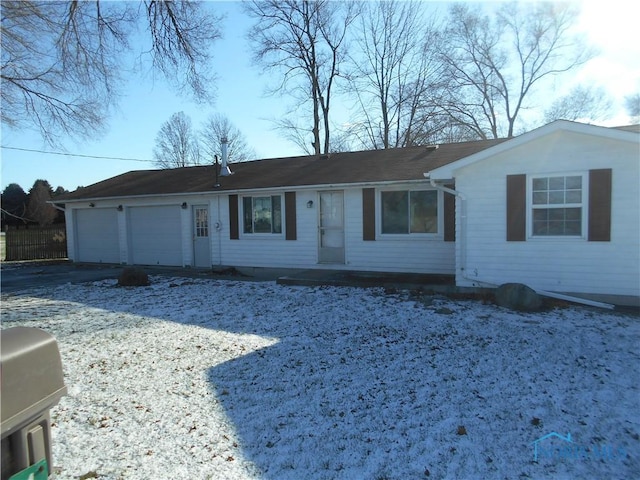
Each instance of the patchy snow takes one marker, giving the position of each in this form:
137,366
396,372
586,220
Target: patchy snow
209,379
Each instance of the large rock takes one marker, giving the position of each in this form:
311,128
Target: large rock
133,277
518,296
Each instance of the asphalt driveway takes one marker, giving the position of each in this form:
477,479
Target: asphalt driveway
17,276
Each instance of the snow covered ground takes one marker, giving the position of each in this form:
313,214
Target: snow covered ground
209,379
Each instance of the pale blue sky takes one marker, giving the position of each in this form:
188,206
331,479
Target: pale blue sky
240,96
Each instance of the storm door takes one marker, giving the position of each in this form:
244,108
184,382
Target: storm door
201,243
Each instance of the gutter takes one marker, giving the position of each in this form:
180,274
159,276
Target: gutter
463,253
56,206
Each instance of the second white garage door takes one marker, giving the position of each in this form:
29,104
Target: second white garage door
154,236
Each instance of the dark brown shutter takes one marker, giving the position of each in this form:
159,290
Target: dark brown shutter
516,208
449,217
290,215
234,230
368,214
600,205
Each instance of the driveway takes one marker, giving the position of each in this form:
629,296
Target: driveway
17,276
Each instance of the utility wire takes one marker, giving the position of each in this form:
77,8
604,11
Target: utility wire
77,155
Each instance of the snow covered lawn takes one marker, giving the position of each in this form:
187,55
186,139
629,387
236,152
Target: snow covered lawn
217,379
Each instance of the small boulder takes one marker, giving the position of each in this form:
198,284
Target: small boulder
518,296
133,277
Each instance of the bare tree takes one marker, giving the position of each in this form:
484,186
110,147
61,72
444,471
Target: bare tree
62,61
182,33
176,144
217,128
394,72
587,103
305,42
495,62
632,104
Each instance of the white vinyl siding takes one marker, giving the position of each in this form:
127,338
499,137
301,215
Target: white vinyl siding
555,263
396,253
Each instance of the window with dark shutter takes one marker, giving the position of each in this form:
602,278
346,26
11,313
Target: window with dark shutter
290,215
368,214
234,230
516,208
408,212
449,204
557,206
600,205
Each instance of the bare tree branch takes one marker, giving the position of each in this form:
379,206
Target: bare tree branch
495,64
176,144
62,61
304,41
581,103
393,72
217,128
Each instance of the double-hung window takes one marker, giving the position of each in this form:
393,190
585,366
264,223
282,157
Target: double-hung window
262,214
557,205
409,211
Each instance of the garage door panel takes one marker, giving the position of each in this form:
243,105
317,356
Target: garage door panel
155,235
97,237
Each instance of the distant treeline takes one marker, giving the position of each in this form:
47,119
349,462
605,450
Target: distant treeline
21,208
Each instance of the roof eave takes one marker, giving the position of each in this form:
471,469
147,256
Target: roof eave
448,172
325,186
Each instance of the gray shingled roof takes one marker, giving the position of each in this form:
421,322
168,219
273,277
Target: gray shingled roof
629,128
399,164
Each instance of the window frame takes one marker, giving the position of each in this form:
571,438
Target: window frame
583,205
201,223
438,234
253,234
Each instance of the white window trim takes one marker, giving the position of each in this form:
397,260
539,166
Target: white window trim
439,235
584,206
261,236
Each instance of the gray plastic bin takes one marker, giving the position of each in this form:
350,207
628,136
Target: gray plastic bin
32,383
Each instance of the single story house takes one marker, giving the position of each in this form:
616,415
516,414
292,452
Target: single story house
557,208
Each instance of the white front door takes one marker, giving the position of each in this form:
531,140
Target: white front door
201,243
331,227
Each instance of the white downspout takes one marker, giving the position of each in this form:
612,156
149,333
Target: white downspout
218,227
461,235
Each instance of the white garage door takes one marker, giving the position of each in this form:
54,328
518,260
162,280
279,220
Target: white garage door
155,235
97,235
